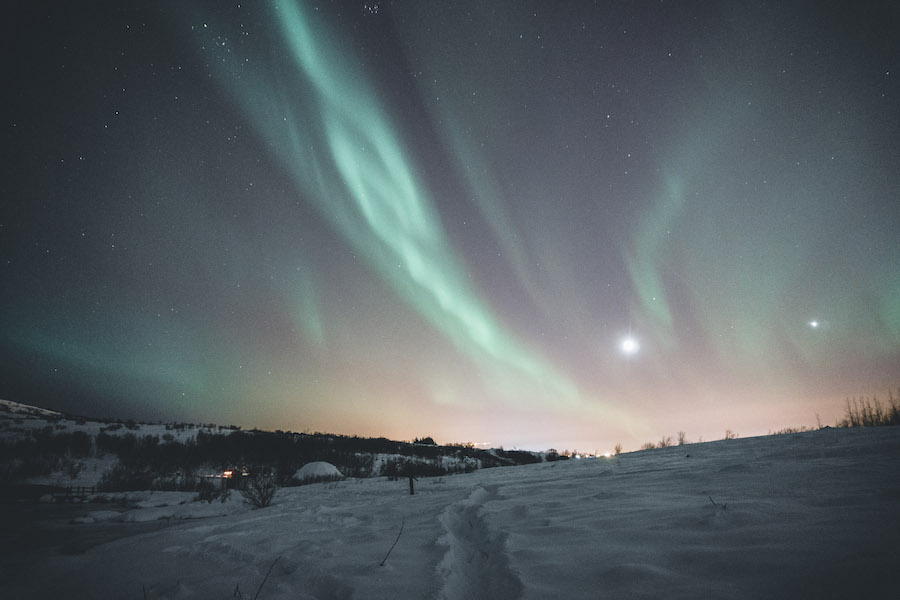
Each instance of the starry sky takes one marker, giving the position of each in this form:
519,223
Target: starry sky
528,224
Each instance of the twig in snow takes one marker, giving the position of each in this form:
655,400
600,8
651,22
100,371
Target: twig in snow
266,577
402,523
724,506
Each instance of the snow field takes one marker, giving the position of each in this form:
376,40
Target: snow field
791,516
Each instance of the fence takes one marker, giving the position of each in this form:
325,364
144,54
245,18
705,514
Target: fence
72,493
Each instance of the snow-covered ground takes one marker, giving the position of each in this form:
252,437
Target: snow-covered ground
810,515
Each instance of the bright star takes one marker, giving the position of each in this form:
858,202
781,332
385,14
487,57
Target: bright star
629,345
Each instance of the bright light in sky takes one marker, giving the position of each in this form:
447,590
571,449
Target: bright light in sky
630,345
433,220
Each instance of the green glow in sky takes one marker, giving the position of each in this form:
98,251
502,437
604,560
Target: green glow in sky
112,364
326,126
416,218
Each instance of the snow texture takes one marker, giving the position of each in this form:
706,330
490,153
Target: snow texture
810,515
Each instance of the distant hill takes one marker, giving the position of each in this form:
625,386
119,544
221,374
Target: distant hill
40,446
10,407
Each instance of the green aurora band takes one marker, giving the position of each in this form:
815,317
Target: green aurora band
324,124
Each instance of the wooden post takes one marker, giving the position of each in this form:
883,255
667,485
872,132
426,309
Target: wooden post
412,491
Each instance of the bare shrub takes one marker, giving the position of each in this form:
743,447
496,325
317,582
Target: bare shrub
789,430
893,414
124,478
210,491
682,438
618,449
665,441
74,468
648,446
261,488
866,412
729,435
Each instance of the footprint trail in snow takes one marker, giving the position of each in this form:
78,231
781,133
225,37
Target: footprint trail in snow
475,565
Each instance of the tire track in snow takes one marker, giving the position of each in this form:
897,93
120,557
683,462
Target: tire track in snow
475,565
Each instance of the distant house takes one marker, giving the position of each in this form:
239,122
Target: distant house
231,478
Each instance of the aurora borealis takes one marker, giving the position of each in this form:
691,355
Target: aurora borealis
521,223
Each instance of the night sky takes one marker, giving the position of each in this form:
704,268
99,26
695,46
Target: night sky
529,224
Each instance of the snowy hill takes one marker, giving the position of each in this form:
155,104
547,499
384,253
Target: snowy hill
18,421
19,409
41,447
809,515
40,442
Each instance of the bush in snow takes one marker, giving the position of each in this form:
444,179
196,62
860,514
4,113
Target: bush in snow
126,478
863,412
210,491
262,485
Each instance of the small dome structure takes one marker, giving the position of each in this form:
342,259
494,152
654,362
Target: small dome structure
318,470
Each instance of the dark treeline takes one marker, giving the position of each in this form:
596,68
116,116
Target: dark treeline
154,462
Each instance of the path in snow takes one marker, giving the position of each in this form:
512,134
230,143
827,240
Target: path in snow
475,565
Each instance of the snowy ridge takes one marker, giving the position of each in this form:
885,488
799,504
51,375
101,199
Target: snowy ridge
26,409
475,565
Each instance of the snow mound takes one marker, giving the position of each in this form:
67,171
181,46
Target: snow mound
317,470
